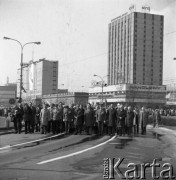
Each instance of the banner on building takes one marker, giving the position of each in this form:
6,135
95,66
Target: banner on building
31,77
151,88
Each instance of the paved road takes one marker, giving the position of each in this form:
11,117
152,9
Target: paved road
81,156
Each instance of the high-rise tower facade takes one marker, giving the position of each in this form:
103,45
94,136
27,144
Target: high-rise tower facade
135,53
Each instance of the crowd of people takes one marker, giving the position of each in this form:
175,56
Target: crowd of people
77,119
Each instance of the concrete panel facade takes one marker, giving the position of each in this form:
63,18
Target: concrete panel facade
135,53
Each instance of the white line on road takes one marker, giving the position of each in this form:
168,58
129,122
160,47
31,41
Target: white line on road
75,153
29,142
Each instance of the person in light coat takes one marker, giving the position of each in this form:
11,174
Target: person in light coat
157,118
67,116
44,118
100,118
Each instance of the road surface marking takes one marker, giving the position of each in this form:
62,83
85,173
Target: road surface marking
29,142
115,143
5,147
75,153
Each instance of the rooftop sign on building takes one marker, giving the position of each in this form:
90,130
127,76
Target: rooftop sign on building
145,8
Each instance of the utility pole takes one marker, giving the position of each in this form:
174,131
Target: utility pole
21,64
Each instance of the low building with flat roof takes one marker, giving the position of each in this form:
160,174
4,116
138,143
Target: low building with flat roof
130,94
67,98
8,95
171,94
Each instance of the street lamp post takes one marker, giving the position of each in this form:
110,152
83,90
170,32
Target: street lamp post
82,88
21,64
102,85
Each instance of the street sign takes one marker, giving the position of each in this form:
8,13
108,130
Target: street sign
12,101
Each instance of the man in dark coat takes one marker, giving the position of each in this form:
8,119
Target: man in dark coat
67,118
33,114
37,119
129,120
60,117
79,119
18,117
55,120
111,120
136,121
27,118
89,119
105,124
143,120
50,122
121,115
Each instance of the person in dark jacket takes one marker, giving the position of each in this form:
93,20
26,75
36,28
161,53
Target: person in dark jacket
143,120
27,116
111,120
121,115
55,123
37,119
32,118
129,120
105,124
136,121
50,122
18,117
79,119
60,117
89,119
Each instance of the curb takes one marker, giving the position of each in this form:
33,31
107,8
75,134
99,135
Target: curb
7,131
29,142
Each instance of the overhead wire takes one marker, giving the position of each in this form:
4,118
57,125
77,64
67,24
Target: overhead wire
102,54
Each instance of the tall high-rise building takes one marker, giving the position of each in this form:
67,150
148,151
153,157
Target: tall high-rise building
135,53
39,78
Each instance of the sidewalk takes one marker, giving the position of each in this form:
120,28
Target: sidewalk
3,128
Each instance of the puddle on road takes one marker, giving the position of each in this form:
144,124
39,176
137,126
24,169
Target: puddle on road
157,136
122,143
91,138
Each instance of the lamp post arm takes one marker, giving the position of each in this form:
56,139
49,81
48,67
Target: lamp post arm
17,42
100,78
27,44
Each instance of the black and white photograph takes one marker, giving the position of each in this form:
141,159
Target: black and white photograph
87,89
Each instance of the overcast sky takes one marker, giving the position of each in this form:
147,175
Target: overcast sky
74,32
